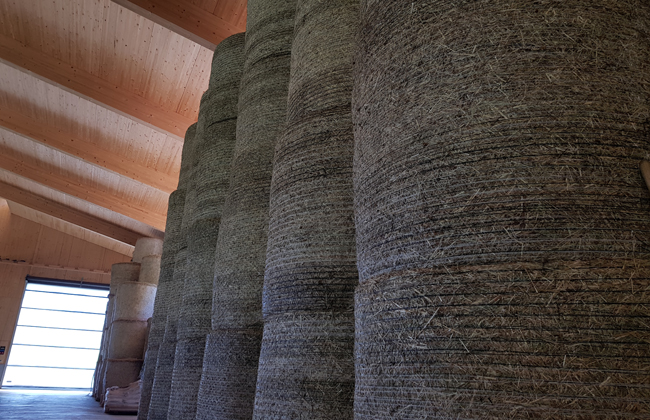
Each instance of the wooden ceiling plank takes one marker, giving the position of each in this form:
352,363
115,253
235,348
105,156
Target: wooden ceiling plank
63,212
92,88
69,186
43,133
190,20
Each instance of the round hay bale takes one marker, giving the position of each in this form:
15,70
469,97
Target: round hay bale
161,389
311,259
308,357
145,247
501,217
231,357
127,339
241,246
194,319
150,269
121,273
227,57
134,301
187,157
121,372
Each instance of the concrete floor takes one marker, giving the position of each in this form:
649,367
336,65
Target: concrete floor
28,404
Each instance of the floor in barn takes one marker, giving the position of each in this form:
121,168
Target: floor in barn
28,404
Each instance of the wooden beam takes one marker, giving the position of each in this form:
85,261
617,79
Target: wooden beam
90,87
191,21
63,212
33,171
55,267
69,229
39,131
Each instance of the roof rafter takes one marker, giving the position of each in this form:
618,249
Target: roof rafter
63,212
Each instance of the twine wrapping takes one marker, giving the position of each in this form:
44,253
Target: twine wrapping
306,367
501,219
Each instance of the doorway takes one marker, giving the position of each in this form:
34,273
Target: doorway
58,335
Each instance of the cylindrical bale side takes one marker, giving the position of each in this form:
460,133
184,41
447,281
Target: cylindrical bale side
150,269
241,247
127,339
121,372
217,119
173,242
306,365
501,217
123,272
194,319
161,389
187,157
307,356
134,301
230,357
145,247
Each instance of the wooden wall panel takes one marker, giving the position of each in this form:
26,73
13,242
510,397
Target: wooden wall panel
12,285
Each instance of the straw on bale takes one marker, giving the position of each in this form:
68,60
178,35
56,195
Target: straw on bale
241,246
217,123
502,222
306,367
161,303
145,247
160,392
168,291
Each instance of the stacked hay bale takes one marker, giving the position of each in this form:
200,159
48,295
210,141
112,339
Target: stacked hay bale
232,349
172,244
306,367
217,123
98,378
501,218
116,369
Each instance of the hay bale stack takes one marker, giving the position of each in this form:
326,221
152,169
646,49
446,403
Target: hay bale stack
229,375
501,216
306,366
175,240
161,303
133,307
121,273
217,121
161,390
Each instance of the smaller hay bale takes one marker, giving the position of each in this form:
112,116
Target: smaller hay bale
150,269
145,247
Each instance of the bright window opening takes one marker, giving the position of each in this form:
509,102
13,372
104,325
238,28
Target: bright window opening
58,336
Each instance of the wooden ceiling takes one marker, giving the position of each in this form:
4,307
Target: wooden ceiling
95,97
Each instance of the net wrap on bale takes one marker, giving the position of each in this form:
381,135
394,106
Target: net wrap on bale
230,374
501,219
306,367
